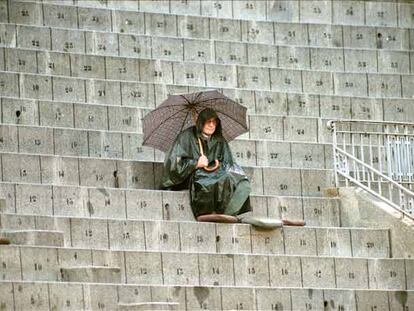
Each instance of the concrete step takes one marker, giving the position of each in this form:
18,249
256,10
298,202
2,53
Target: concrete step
96,172
343,59
23,295
118,93
233,15
314,82
134,204
34,237
206,269
100,119
185,236
116,118
91,274
116,121
123,145
149,306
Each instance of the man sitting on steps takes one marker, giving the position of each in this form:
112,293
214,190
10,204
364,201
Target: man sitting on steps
221,195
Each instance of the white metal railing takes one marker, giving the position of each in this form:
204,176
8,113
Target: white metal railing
378,157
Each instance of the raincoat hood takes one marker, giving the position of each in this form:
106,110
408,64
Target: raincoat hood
205,115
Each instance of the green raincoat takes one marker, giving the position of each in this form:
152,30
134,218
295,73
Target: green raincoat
224,191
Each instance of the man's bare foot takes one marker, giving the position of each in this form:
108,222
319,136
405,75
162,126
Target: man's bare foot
297,222
4,241
217,218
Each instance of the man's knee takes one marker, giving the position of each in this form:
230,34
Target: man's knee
245,185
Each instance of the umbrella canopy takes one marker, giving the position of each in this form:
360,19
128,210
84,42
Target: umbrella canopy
177,113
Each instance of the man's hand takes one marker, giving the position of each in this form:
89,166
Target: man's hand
202,161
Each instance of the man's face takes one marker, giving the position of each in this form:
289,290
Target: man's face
210,126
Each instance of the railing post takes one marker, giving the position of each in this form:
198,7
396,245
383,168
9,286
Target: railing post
332,126
388,151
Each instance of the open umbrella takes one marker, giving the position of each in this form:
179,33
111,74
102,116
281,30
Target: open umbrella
178,112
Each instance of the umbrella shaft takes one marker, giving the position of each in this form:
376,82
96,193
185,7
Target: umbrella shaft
201,146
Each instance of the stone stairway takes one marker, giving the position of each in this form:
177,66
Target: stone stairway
90,230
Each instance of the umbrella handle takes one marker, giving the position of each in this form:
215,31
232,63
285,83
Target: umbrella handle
213,168
217,163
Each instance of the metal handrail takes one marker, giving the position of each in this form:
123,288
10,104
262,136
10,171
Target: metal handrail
369,133
330,122
393,151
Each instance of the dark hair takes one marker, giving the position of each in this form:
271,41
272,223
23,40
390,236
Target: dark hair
203,116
